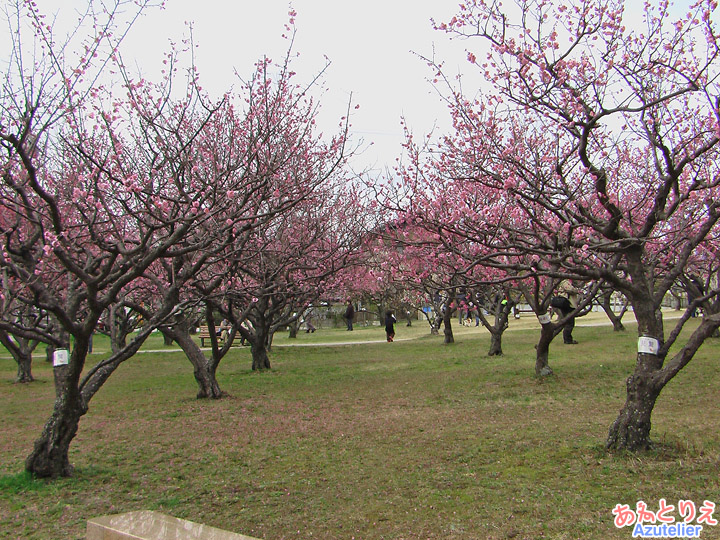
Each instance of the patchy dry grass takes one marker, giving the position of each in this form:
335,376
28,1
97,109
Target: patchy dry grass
407,440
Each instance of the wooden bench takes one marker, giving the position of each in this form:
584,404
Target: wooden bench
148,525
205,334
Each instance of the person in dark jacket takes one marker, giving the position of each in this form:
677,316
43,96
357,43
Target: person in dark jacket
564,306
349,314
390,321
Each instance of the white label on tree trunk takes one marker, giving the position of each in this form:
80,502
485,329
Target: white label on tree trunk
544,318
60,357
648,345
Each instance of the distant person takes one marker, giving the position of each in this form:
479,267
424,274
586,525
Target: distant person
309,326
390,321
566,305
224,329
349,314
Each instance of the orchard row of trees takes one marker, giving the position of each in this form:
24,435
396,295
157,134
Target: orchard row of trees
129,198
590,158
594,158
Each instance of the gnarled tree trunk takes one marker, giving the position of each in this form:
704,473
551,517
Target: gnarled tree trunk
260,359
495,344
607,306
294,328
259,346
120,326
502,313
24,372
49,457
542,350
203,369
21,351
631,429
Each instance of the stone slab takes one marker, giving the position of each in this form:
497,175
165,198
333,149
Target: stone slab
149,525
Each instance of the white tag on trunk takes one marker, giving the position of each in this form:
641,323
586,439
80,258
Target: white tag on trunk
544,318
60,357
648,345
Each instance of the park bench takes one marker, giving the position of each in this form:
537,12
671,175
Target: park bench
204,334
148,525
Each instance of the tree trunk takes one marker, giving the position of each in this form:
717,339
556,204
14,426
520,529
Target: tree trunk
49,458
208,386
709,309
435,324
203,371
447,323
21,351
118,341
120,327
167,340
495,344
542,350
618,326
269,340
616,320
631,429
502,313
24,372
260,360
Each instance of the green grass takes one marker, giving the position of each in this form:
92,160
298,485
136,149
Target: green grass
408,440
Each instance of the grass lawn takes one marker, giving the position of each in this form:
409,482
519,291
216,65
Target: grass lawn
409,440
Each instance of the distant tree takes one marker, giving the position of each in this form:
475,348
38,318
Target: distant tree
496,301
608,299
27,327
291,262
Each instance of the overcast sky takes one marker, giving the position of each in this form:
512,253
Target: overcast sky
370,45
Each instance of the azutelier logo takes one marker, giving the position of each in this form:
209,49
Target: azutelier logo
662,523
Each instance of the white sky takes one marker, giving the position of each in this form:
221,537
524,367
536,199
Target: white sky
370,45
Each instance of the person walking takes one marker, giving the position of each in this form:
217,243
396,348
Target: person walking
390,321
307,320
